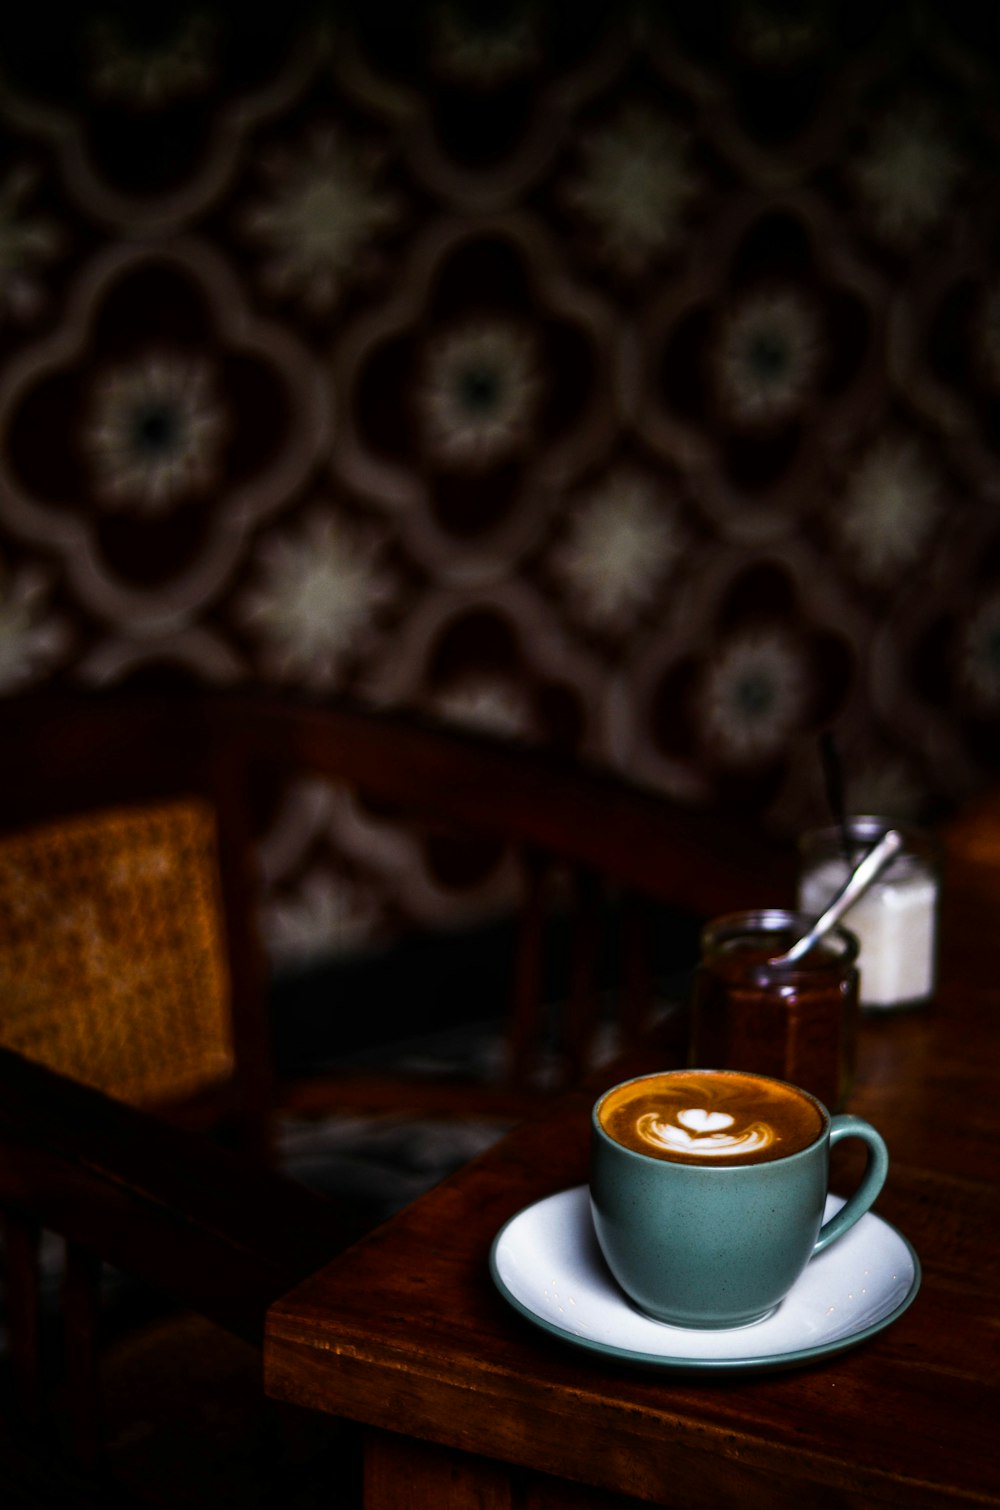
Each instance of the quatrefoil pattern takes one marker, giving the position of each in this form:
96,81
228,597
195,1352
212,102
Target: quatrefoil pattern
616,377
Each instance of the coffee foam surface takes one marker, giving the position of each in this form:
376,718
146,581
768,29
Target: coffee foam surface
712,1118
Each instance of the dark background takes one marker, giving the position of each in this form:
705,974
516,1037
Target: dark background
619,377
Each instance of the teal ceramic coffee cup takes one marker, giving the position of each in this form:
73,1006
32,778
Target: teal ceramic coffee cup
703,1221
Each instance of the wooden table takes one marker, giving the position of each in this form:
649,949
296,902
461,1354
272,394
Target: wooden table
470,1405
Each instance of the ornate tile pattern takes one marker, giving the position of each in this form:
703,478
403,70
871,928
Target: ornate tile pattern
618,376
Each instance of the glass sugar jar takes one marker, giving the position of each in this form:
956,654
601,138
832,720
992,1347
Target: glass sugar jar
796,1022
895,922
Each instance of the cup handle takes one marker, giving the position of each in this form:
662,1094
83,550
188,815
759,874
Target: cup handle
877,1168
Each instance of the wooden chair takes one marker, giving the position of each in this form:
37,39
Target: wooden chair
130,959
129,953
220,1235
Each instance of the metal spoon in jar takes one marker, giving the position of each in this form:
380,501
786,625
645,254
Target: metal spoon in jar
858,882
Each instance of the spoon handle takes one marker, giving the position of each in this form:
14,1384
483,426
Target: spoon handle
859,881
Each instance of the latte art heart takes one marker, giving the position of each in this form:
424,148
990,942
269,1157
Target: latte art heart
659,1133
697,1119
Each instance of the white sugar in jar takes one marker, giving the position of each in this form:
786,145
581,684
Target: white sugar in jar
895,922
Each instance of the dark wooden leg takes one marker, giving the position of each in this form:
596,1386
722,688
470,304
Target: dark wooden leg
585,946
422,1476
637,972
81,1306
400,1471
523,1031
21,1238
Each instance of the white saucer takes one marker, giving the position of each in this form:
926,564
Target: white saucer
546,1263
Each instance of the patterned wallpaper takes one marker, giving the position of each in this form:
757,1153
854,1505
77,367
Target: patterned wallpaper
624,377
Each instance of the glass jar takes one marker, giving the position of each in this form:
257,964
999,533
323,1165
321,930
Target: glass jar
896,921
796,1022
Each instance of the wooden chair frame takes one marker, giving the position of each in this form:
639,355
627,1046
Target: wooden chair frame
197,1222
63,753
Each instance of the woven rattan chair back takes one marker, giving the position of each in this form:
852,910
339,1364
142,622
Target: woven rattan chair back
112,967
129,957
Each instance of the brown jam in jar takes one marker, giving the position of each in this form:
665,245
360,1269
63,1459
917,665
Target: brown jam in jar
795,1022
